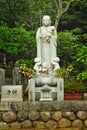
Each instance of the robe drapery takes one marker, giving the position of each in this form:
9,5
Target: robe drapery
46,45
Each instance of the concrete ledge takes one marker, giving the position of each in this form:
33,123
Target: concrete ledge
45,106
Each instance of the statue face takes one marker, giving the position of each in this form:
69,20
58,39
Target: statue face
46,21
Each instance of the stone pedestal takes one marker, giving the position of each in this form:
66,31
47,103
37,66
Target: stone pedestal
46,88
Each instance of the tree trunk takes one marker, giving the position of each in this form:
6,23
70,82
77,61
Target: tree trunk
60,10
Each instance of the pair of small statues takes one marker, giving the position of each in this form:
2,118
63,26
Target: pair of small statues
46,38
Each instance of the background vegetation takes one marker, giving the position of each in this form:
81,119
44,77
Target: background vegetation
19,20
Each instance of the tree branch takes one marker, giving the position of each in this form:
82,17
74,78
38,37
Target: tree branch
20,18
56,4
67,6
60,10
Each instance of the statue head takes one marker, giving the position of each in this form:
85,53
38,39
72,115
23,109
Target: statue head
46,21
17,64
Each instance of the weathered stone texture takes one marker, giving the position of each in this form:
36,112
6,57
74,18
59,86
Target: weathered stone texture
45,116
4,106
82,115
15,125
51,124
56,115
77,123
85,123
69,115
26,124
56,106
39,124
46,106
33,115
34,106
22,115
66,106
9,116
64,123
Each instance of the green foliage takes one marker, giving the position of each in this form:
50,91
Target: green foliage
82,55
22,15
12,38
82,76
66,37
66,47
75,16
18,42
18,12
71,85
27,72
81,60
29,62
72,50
64,72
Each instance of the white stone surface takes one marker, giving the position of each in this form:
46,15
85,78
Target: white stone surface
46,38
11,93
59,88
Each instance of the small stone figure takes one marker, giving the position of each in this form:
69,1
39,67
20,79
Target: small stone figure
44,67
37,66
55,63
16,74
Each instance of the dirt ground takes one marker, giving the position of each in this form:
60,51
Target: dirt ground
48,129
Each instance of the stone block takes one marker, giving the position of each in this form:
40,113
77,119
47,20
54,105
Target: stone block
11,93
2,76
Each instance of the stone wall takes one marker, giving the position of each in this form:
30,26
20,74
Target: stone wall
44,115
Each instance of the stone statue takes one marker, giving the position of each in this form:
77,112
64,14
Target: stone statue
46,86
16,74
46,37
